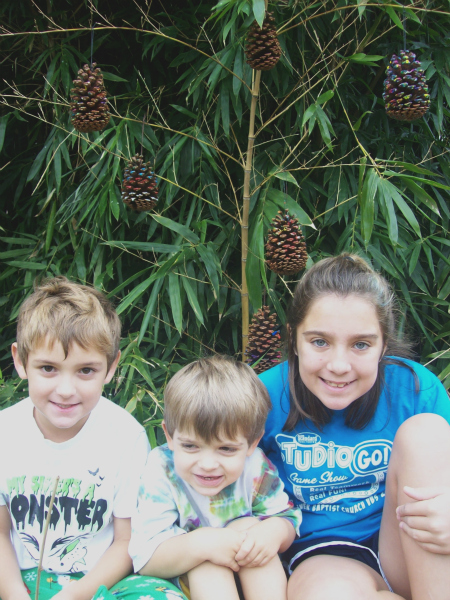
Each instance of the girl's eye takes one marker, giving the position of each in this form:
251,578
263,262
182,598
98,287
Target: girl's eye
361,345
319,343
86,370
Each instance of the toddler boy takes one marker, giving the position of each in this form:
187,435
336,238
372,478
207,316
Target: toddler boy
210,503
68,347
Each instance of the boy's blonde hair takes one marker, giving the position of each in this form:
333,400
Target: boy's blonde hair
216,397
63,311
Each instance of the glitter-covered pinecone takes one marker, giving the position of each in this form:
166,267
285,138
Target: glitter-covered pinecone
285,247
263,49
264,341
406,96
139,185
89,105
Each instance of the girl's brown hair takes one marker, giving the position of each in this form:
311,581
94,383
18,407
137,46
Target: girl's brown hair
343,275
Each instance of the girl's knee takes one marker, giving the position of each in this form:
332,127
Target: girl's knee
423,431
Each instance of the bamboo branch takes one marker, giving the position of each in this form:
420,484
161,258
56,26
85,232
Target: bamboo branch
47,523
246,208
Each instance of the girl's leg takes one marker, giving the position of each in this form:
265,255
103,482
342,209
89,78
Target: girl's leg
212,581
420,458
340,578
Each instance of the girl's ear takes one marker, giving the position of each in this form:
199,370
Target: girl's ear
18,364
291,339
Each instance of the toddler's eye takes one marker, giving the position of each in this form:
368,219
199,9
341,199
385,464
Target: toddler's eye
319,343
361,345
228,449
188,446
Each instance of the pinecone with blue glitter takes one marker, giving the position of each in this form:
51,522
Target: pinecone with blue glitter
139,185
406,96
264,341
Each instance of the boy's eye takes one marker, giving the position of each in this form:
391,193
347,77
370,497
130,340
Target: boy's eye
228,449
361,345
319,343
48,369
87,370
188,446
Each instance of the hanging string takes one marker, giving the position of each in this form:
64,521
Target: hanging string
92,43
404,29
142,136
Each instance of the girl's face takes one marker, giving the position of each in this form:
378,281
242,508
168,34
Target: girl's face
339,346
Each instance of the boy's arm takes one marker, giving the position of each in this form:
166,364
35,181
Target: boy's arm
114,565
181,553
11,584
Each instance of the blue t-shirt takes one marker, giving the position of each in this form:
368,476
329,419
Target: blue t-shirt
337,475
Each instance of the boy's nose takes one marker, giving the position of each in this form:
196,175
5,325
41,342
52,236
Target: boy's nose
207,462
65,388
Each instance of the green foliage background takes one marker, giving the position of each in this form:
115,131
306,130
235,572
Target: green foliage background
324,149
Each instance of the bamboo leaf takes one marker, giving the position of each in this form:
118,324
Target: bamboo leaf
209,258
422,195
391,191
150,308
367,204
259,10
252,268
286,176
184,231
285,201
175,301
144,246
192,299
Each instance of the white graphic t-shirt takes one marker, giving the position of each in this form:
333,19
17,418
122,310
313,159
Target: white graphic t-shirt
98,473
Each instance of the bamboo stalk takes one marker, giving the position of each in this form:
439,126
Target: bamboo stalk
47,523
246,211
246,208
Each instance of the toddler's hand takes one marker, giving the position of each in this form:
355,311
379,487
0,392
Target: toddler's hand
221,546
259,546
427,519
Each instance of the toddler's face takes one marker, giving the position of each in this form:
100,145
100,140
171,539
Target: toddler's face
64,390
208,467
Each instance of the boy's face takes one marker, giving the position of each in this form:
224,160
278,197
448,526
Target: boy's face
208,467
64,391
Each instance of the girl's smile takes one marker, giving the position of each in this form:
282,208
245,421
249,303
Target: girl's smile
339,346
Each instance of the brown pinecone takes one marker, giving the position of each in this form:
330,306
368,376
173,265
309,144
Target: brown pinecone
263,49
285,247
89,105
139,185
406,96
264,341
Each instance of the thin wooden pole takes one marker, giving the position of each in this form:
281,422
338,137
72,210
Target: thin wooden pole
47,523
246,210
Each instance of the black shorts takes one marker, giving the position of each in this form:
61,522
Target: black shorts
365,551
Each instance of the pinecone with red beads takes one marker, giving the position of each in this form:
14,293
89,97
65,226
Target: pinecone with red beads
139,185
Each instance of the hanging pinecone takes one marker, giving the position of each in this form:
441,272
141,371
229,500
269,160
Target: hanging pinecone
285,247
263,49
89,105
264,341
139,185
406,95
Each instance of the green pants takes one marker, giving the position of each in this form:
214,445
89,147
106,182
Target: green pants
133,587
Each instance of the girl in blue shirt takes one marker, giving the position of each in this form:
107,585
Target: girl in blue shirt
361,439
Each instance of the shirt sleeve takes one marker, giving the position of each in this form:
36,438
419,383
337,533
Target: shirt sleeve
128,475
269,497
156,518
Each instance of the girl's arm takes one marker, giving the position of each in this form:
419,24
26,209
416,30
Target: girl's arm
114,565
11,584
181,553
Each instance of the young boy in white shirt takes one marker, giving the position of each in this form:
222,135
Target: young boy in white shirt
210,503
68,347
